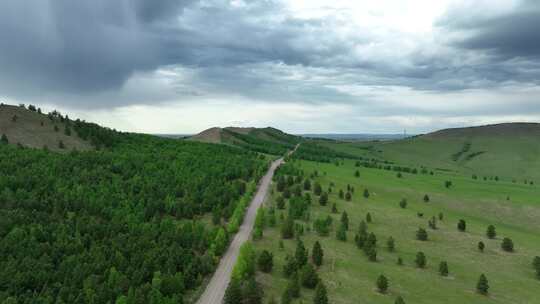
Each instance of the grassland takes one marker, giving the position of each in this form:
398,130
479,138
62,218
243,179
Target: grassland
350,278
509,151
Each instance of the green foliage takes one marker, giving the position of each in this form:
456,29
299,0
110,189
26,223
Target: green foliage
366,193
317,189
382,284
426,198
287,228
300,254
252,293
443,268
368,218
481,246
293,286
390,244
4,140
317,254
245,264
134,207
321,296
308,276
483,285
421,234
323,199
260,222
290,266
321,226
420,260
507,245
462,225
345,220
341,233
265,261
399,300
491,232
403,203
233,293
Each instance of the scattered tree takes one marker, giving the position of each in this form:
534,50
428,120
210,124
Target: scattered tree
294,286
317,189
366,193
301,254
341,233
483,285
266,261
317,254
507,245
308,276
443,268
399,300
323,199
462,225
321,296
481,246
233,293
287,228
399,261
426,198
345,220
390,244
382,284
403,203
491,233
348,196
368,217
357,173
4,140
421,234
420,260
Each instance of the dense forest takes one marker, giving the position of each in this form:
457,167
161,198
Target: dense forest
124,224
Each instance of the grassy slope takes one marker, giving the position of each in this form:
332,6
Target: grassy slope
350,277
511,151
29,132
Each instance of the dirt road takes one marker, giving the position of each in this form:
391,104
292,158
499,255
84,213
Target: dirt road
216,288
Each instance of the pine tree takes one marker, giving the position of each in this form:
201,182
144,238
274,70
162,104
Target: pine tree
308,276
4,139
390,244
252,293
317,189
443,268
265,261
483,285
341,194
366,193
287,228
300,255
233,293
462,225
420,260
286,297
382,284
290,266
491,233
481,246
368,217
399,300
421,234
426,198
341,233
348,196
507,245
357,173
294,286
307,185
334,208
400,261
317,254
323,199
61,144
345,220
403,203
441,216
320,294
280,202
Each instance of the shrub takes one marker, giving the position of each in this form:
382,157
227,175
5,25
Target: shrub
507,245
421,234
399,300
308,276
280,202
348,196
366,193
345,220
368,217
481,246
443,268
382,284
390,244
321,296
290,266
317,254
4,139
301,254
420,260
403,203
341,233
287,228
265,261
293,287
426,198
399,261
462,225
323,199
233,293
491,233
483,285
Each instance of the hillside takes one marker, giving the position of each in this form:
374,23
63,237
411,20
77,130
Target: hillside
265,140
33,129
509,151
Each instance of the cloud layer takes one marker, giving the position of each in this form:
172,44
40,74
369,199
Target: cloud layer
384,60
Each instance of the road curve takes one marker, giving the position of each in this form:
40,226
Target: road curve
215,291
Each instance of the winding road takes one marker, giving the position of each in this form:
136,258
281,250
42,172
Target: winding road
215,290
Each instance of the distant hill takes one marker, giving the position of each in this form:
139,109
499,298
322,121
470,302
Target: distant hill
509,150
265,140
31,128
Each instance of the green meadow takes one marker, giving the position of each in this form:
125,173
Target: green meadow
349,276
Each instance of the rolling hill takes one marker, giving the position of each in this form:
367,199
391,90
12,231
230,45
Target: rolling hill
265,140
33,129
508,151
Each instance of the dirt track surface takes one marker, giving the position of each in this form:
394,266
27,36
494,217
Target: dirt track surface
215,290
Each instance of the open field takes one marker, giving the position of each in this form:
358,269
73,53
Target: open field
349,276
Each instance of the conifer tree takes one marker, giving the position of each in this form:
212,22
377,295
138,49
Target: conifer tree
403,203
390,244
334,208
321,296
317,254
252,293
483,285
293,286
481,246
265,261
290,266
368,217
345,220
491,233
317,189
399,300
323,199
443,268
366,193
4,139
341,194
426,198
308,276
382,284
420,260
300,255
341,233
462,225
348,196
507,245
233,293
421,234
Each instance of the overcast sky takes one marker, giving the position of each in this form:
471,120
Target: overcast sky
337,66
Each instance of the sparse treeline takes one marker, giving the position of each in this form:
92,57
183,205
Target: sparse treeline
119,224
